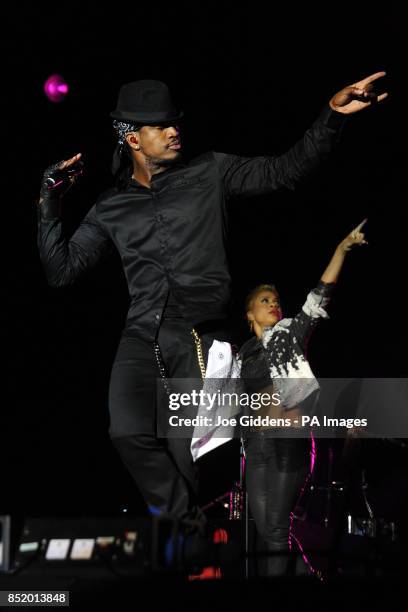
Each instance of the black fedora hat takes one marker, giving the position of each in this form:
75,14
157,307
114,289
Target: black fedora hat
146,102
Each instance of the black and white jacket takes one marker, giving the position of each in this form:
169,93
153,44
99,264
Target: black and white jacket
280,356
281,353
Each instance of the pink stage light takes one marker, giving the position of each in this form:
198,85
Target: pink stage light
55,88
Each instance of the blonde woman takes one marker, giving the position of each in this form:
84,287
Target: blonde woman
277,466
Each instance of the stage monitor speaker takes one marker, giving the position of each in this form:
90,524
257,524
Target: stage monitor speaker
126,546
65,545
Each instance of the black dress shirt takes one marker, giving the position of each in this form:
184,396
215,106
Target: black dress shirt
172,236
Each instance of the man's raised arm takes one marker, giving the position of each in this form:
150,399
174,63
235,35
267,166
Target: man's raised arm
66,260
246,176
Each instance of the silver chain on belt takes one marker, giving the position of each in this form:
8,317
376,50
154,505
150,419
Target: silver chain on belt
162,368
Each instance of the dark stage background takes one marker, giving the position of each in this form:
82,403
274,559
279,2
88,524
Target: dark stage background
250,78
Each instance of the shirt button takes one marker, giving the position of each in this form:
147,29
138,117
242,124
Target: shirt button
157,317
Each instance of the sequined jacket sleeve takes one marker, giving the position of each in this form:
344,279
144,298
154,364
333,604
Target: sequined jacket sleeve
313,310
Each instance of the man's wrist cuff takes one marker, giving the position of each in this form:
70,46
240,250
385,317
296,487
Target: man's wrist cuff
332,118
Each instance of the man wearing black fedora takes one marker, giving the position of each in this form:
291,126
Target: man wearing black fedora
166,217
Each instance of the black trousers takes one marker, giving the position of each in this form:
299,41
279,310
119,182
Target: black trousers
276,469
162,469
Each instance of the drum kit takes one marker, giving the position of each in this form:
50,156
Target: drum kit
351,517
